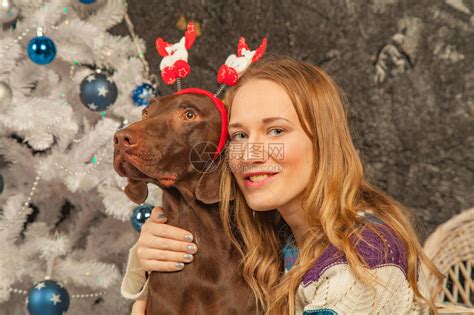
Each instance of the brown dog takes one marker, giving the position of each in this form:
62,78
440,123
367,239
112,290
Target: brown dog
163,149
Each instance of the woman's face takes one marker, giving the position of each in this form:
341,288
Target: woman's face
267,139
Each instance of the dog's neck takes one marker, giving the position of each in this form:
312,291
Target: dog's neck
186,211
187,188
184,194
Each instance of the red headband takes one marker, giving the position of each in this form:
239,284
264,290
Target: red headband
222,110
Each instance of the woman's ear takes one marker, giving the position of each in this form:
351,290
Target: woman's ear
137,190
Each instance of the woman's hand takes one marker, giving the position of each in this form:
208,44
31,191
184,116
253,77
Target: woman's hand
163,247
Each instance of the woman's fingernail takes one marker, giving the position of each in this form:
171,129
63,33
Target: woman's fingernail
180,265
192,248
161,216
188,256
188,238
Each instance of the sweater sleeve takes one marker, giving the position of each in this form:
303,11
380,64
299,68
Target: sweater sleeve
135,281
330,286
339,292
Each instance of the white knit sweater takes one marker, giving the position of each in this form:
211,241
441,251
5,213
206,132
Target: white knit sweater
330,287
135,282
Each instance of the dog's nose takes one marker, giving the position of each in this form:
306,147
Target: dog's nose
125,138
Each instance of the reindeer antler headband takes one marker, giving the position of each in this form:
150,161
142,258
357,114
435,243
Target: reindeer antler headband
174,67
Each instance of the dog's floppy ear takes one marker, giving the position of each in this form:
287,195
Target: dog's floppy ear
207,188
136,190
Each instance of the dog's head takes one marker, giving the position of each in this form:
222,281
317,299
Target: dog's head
175,142
178,140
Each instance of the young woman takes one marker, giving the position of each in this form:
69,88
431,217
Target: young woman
315,236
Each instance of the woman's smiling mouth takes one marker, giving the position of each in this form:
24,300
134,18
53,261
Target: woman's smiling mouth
258,179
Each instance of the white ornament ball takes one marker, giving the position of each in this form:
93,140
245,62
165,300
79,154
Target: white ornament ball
8,11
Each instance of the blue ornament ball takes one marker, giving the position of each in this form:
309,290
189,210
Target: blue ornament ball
142,94
87,1
47,297
140,215
41,50
98,92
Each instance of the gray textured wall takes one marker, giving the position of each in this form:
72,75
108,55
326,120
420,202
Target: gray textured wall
412,119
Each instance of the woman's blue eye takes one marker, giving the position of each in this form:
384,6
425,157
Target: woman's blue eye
280,131
236,134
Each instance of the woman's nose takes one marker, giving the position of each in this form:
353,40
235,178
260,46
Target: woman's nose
256,148
255,152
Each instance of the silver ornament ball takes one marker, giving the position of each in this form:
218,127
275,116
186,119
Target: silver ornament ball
5,95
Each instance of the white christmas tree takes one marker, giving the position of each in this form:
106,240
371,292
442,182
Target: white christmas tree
65,88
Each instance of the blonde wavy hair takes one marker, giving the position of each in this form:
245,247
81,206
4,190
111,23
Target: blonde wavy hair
337,191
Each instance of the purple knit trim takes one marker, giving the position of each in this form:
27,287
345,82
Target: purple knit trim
373,254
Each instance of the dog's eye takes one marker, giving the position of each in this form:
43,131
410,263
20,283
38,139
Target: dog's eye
189,115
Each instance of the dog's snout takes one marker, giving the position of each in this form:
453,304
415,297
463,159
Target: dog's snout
126,139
